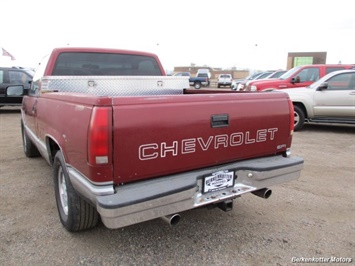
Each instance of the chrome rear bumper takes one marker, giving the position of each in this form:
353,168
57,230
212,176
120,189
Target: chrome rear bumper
147,200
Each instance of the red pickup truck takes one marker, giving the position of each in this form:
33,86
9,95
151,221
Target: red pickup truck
299,76
129,144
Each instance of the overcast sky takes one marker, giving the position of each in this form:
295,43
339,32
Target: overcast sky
225,33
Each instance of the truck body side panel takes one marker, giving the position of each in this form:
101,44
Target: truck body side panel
64,118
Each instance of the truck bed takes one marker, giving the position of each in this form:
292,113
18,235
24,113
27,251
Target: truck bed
156,135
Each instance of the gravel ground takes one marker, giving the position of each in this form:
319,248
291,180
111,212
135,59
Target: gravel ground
310,218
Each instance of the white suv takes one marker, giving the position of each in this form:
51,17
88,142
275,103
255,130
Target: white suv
224,80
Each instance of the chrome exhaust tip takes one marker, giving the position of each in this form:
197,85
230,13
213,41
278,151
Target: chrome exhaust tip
172,219
264,193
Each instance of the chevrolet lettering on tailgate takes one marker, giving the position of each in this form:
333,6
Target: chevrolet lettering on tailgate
159,150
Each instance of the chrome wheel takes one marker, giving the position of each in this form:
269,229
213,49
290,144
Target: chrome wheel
62,187
75,213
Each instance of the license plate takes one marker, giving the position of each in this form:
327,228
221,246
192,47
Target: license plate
217,181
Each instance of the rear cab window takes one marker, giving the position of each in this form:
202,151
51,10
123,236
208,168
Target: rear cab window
105,64
204,75
225,76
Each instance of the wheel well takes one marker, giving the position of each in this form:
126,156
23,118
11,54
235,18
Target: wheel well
303,108
52,148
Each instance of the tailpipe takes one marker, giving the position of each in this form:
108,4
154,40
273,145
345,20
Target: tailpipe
172,220
264,193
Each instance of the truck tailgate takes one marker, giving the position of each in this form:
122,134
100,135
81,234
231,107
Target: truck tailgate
161,135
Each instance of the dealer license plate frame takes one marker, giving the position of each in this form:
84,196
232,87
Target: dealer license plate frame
218,181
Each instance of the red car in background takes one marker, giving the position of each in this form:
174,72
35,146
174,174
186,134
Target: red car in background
299,76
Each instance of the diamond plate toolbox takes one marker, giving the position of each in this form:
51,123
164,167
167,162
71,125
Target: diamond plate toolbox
116,85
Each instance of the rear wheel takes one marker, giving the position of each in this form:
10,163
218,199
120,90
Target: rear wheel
299,118
197,85
75,213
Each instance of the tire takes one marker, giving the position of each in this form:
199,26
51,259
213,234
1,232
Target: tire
29,148
299,118
74,212
197,85
218,86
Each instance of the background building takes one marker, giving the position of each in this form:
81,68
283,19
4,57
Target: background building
309,58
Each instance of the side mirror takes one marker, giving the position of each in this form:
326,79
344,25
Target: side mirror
295,80
14,90
323,86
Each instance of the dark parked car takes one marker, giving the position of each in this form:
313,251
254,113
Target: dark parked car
14,83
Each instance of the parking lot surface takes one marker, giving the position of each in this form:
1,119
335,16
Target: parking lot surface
310,218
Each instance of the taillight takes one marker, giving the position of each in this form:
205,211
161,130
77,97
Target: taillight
292,116
99,136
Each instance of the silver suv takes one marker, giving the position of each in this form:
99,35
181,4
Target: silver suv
224,80
331,99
